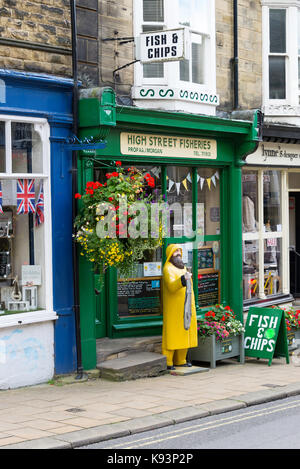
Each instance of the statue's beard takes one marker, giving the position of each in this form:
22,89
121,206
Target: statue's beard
177,261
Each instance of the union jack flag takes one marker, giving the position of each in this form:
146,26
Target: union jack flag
1,209
25,196
39,215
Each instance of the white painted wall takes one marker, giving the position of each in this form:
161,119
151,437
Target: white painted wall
26,355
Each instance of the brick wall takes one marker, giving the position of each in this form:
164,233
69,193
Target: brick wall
249,53
35,36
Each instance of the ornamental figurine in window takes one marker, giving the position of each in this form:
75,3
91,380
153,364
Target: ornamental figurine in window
179,312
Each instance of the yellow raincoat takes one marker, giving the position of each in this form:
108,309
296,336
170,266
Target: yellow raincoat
175,337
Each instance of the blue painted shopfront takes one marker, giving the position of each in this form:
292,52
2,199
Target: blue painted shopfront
49,97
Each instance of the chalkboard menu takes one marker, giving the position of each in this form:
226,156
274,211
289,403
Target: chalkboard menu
208,289
139,296
205,258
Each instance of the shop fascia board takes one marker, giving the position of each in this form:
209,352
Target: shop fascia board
190,122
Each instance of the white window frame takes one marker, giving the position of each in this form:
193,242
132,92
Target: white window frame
42,127
262,235
171,69
291,54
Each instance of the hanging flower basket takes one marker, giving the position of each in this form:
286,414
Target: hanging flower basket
220,336
115,225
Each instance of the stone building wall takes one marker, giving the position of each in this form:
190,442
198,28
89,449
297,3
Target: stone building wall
249,54
35,36
116,21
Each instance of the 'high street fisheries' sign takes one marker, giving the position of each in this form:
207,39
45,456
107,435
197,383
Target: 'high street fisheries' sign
265,334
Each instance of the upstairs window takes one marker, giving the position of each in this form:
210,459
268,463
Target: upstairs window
197,16
153,20
277,54
281,55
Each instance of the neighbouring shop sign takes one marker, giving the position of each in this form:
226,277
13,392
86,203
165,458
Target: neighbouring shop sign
161,46
275,154
166,145
266,334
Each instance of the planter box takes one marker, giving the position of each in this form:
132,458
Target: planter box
293,338
210,350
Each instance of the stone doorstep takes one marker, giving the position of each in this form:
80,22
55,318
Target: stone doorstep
110,349
133,366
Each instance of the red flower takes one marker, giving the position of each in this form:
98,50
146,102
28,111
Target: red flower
89,191
228,308
223,318
90,185
118,163
110,198
78,196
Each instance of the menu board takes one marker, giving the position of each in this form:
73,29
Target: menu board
140,296
208,289
205,258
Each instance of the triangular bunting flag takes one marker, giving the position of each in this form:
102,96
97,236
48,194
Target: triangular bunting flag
213,178
171,184
189,177
201,182
177,187
217,174
185,184
208,180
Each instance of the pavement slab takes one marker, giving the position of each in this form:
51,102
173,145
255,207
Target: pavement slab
73,414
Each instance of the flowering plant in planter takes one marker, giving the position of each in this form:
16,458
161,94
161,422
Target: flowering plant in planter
292,317
115,226
221,321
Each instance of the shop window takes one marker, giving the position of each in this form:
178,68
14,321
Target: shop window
250,202
139,294
24,224
208,216
294,180
2,147
26,149
262,234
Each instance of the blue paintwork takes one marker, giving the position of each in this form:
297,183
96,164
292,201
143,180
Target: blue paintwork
51,98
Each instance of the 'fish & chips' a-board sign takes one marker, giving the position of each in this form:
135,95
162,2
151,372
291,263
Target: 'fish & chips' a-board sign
266,334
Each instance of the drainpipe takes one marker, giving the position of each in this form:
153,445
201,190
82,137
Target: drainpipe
74,189
235,58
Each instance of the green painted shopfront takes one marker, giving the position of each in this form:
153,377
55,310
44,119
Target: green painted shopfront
196,162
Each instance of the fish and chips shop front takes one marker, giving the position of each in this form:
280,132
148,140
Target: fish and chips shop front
194,164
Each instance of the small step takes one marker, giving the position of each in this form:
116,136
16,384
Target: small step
109,349
133,366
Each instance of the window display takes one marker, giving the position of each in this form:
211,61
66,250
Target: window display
21,246
22,218
262,234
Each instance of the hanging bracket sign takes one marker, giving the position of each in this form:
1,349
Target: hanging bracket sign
265,334
162,46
